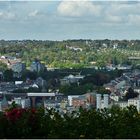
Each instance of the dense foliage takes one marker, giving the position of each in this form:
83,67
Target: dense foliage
56,54
107,123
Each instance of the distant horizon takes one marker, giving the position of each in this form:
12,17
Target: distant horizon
65,39
68,20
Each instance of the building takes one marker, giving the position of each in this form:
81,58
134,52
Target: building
134,101
22,102
1,76
87,100
42,97
79,101
18,82
70,98
25,103
71,79
18,67
37,66
102,103
91,98
124,67
3,104
48,104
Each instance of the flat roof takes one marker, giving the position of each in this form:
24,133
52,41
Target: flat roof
40,94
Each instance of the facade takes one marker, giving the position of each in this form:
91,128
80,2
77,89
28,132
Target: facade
70,79
123,104
91,98
100,104
79,101
135,102
18,67
86,100
24,103
70,98
36,66
3,104
48,104
1,75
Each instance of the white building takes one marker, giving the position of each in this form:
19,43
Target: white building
70,98
100,104
24,103
120,84
18,82
98,101
71,79
135,102
114,97
122,104
106,101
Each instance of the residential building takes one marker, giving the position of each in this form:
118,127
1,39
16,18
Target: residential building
134,101
71,79
70,97
1,76
3,104
23,102
86,100
37,66
79,101
100,104
18,67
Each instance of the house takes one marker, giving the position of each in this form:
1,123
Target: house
22,102
37,66
18,82
71,79
1,75
124,67
134,101
85,100
18,67
48,104
3,104
79,101
70,97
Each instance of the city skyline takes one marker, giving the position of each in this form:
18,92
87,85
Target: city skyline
61,20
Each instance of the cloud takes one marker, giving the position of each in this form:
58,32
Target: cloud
1,14
78,8
123,8
114,19
7,15
121,13
33,13
134,19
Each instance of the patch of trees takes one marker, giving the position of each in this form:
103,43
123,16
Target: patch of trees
114,123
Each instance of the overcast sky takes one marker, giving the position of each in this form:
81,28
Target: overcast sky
60,20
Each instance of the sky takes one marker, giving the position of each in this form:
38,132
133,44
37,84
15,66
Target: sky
63,19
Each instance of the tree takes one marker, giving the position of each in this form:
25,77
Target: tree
8,75
3,66
131,94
